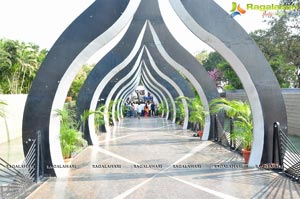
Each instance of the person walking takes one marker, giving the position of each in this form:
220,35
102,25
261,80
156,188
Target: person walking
146,110
152,108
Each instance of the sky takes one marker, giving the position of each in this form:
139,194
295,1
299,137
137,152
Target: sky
42,21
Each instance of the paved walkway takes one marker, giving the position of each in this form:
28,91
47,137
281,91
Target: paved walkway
152,158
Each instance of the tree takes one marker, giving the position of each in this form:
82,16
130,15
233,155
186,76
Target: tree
215,63
213,59
79,80
281,46
203,55
19,62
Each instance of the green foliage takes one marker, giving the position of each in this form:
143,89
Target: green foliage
125,109
170,108
228,77
71,139
241,112
110,114
197,113
99,117
180,113
281,46
83,119
202,56
19,62
243,131
161,108
79,80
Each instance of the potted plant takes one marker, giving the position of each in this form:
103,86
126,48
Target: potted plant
161,109
71,139
99,119
180,113
197,115
243,131
242,126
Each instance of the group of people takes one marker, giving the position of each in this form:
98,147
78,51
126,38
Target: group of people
141,109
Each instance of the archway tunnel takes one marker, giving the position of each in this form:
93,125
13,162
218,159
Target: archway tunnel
149,55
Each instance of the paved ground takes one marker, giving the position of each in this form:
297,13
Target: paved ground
12,151
152,158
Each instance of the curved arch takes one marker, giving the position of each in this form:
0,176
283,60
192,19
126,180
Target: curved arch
70,50
105,77
177,88
147,74
248,62
195,80
135,72
152,86
158,91
160,98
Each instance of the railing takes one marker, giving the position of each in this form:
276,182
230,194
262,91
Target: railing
286,154
16,179
222,135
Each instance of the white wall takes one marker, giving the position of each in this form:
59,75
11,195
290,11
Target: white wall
11,126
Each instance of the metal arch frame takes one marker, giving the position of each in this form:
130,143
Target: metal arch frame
105,91
158,94
165,85
135,83
174,75
166,96
119,85
195,80
49,89
115,95
246,59
69,76
126,95
163,88
154,86
109,75
136,70
177,88
86,96
173,94
131,88
165,66
207,122
51,84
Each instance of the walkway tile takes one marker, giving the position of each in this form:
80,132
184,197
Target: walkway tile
153,158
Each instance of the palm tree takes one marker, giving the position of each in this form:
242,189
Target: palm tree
19,63
180,113
99,119
71,139
197,113
241,112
